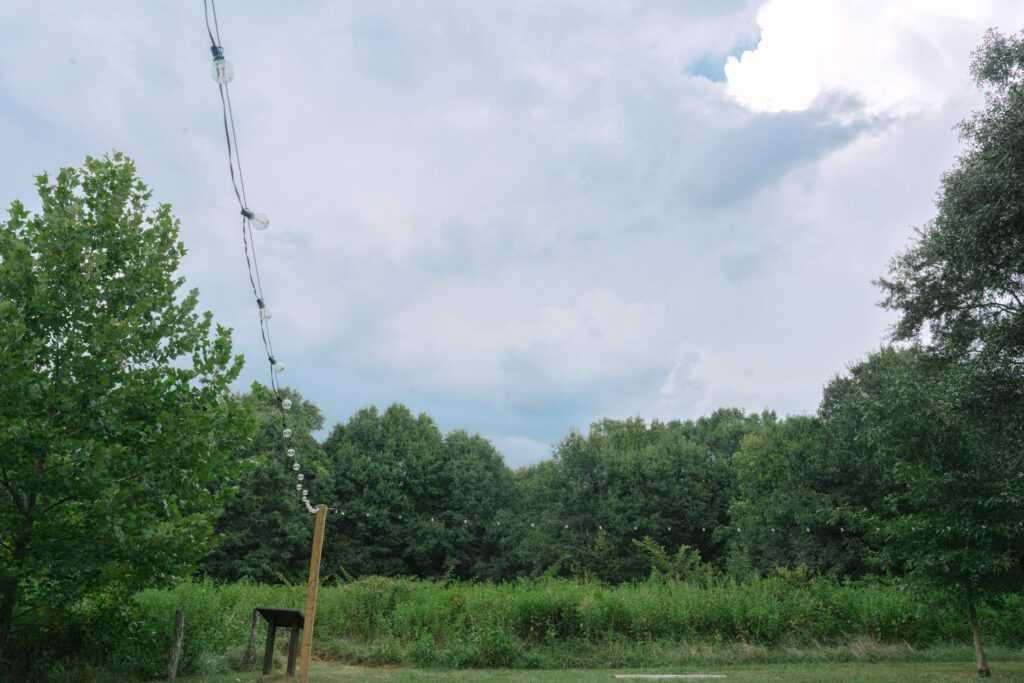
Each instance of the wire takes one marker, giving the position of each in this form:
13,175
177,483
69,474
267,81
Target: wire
248,243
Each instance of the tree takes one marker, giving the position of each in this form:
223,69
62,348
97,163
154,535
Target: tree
962,280
952,518
622,481
481,496
117,430
265,530
786,493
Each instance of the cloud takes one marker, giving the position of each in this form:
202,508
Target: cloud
896,56
522,217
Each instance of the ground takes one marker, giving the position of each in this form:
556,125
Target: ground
324,672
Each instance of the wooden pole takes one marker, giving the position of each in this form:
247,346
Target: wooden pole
250,649
314,584
179,628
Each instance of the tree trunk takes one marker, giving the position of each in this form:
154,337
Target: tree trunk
6,619
9,599
979,652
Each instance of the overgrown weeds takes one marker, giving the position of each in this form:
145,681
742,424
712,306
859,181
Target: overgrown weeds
548,623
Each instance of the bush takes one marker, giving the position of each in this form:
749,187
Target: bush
553,622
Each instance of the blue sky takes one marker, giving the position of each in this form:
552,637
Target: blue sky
521,217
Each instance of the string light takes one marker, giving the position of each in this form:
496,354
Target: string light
265,313
256,220
222,71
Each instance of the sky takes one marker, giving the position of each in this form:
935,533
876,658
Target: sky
520,217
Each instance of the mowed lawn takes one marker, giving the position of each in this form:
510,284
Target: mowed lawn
323,672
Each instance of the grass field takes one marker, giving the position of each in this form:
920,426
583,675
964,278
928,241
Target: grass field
323,672
548,629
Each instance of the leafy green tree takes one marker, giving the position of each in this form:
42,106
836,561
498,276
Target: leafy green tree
962,280
265,531
962,283
622,481
803,484
416,502
777,514
953,517
482,499
117,430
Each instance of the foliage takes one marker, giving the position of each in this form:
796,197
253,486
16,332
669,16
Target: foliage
265,531
549,623
953,518
117,431
961,281
625,479
682,566
414,502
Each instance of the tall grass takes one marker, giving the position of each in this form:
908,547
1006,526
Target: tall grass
550,622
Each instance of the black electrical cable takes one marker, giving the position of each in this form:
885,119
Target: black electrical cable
238,184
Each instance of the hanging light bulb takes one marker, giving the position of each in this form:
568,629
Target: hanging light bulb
287,433
257,220
305,492
286,404
278,368
295,467
298,487
222,71
291,452
264,313
301,476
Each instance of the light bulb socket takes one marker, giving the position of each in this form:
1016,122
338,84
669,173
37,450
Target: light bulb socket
272,360
259,302
218,52
248,214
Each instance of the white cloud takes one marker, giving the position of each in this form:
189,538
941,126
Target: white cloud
895,56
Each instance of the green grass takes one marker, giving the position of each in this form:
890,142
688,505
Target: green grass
530,626
324,672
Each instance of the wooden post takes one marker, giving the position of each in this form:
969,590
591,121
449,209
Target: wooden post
250,649
179,629
314,584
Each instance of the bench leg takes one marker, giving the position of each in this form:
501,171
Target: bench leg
268,654
293,650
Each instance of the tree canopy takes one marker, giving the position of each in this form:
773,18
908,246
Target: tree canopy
962,280
117,431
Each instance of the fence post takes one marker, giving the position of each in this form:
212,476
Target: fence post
179,628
